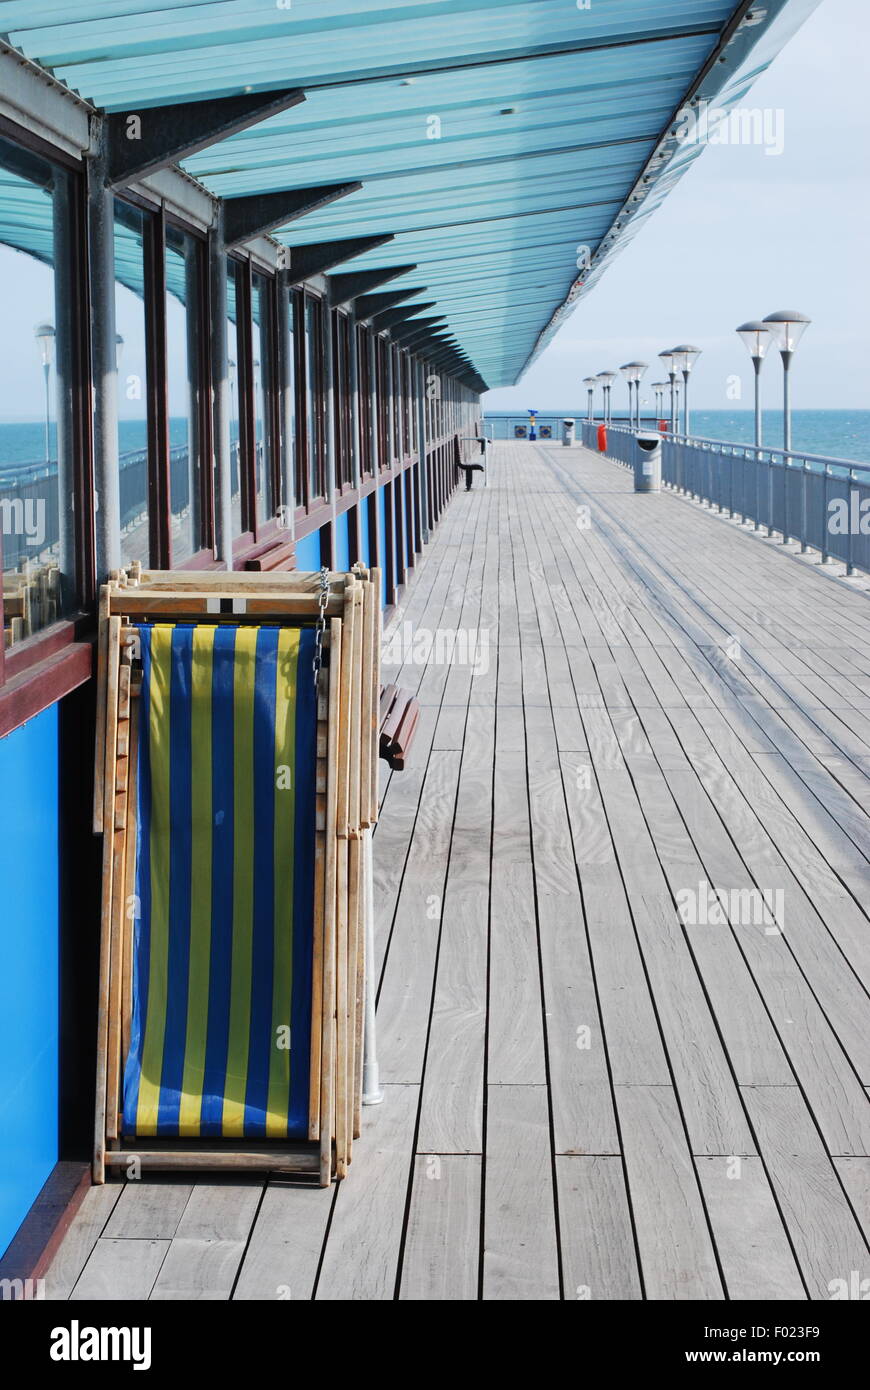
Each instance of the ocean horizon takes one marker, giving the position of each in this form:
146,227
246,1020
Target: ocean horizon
833,434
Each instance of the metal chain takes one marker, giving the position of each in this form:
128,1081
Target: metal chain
322,601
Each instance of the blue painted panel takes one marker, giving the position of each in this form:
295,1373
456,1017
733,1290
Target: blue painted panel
308,552
382,531
29,928
365,542
342,542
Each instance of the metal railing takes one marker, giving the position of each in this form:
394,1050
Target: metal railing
823,503
29,516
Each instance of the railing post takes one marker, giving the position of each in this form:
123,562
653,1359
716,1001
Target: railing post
826,558
804,543
850,568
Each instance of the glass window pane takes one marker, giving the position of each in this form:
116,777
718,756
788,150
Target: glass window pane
36,445
132,381
314,396
233,359
184,382
288,419
264,441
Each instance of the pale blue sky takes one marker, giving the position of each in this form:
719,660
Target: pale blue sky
742,235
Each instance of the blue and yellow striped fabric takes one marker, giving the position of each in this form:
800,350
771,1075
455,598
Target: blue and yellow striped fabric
221,1022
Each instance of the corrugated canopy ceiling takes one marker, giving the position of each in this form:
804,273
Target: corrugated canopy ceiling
494,138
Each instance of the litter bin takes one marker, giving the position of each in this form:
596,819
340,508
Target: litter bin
648,463
567,433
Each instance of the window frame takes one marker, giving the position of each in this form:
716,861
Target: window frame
41,669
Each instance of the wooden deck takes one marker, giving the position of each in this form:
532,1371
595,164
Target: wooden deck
588,1092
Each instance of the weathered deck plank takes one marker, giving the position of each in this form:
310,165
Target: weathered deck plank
590,1093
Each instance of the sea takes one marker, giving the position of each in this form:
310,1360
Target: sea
24,442
832,434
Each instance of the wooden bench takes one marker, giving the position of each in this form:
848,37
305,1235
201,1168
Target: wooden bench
400,714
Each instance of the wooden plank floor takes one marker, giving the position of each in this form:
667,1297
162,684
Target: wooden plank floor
608,1072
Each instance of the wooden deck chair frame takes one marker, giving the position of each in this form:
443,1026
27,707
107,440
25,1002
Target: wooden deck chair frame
344,798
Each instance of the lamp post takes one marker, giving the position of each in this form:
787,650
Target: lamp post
685,356
667,361
590,382
757,339
45,341
640,369
627,373
607,379
786,327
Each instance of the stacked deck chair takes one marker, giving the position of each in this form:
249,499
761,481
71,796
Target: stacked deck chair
236,776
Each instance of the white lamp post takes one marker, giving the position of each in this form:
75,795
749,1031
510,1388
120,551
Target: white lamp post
786,327
667,361
45,340
685,356
607,379
639,369
590,382
757,339
627,374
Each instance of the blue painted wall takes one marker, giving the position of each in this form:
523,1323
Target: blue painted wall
308,552
342,542
365,543
29,930
382,527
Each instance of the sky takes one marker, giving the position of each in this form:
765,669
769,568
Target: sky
743,235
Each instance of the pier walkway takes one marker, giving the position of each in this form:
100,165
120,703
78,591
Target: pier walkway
624,948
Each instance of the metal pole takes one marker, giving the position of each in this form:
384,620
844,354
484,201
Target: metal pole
101,236
64,315
221,402
286,393
372,1093
786,402
420,377
673,380
353,382
46,371
686,403
757,363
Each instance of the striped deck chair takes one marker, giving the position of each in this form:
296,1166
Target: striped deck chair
220,1031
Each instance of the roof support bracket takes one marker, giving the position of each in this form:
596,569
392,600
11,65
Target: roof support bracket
141,142
251,216
343,288
320,256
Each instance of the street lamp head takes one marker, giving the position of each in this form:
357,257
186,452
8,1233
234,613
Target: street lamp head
606,377
45,336
756,336
667,361
638,369
787,327
590,381
685,356
627,370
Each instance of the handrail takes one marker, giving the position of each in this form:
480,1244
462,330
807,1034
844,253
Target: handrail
823,503
756,449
